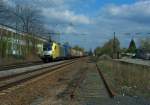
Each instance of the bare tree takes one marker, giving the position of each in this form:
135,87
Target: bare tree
23,18
1,5
27,17
3,11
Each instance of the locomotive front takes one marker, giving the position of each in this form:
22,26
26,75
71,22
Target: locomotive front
47,55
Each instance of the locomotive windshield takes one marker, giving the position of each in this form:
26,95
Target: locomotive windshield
47,47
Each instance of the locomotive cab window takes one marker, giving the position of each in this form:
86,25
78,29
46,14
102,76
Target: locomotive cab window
47,47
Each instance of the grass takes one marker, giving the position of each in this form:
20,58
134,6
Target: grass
127,79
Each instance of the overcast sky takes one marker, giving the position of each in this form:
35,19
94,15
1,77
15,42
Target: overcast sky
97,19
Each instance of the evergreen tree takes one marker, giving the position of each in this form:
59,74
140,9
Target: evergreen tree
132,47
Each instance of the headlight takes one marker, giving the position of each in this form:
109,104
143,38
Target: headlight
47,53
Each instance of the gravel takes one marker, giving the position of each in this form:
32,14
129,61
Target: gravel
126,100
118,100
92,92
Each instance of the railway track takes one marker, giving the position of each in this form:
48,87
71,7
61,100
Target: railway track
19,65
109,90
14,77
90,87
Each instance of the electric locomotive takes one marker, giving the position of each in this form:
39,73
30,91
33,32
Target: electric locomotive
50,51
55,51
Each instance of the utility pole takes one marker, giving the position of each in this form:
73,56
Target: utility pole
114,46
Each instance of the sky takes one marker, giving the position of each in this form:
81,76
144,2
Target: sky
90,23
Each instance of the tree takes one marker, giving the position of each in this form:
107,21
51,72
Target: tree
23,17
132,47
4,14
98,51
2,6
145,44
108,48
78,48
29,18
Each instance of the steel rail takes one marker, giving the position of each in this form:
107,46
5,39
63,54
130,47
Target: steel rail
17,79
109,90
19,65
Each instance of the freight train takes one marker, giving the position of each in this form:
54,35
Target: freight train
55,51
